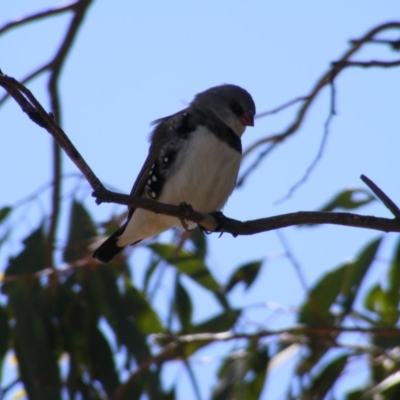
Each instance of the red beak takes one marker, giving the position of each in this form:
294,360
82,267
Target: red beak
247,118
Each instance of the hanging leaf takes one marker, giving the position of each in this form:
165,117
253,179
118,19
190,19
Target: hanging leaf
81,233
4,213
199,240
339,286
327,377
231,375
187,263
29,261
355,273
4,337
246,273
349,199
36,360
139,307
102,365
258,364
315,310
183,306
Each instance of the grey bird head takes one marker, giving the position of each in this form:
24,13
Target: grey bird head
230,103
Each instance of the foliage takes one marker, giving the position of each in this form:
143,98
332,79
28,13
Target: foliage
54,321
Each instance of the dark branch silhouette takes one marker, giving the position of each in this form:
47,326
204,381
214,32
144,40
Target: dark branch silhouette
270,142
35,111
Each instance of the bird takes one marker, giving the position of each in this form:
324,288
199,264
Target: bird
194,158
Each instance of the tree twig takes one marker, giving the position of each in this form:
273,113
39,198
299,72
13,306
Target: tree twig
382,196
37,16
56,65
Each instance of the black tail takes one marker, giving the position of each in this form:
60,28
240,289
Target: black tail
109,249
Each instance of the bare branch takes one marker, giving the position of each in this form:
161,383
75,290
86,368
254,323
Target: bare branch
37,114
301,330
281,107
368,64
327,78
29,77
80,9
321,148
176,343
395,44
37,16
382,196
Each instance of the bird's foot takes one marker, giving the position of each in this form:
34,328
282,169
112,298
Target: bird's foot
219,219
187,209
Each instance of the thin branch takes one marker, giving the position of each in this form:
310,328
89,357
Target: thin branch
395,44
368,64
37,114
382,196
282,107
290,256
80,9
301,330
29,77
170,351
167,353
37,16
320,152
193,379
325,79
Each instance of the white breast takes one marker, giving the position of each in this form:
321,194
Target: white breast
204,173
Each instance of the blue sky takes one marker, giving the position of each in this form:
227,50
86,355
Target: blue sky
134,62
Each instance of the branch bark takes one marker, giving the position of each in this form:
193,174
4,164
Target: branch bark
210,222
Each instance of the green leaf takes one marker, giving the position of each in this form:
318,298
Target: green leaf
102,365
81,233
355,394
199,240
315,310
231,375
128,313
28,262
186,263
355,273
138,306
325,380
4,213
183,306
36,361
340,286
243,375
393,292
219,323
246,273
258,364
4,337
349,199
153,264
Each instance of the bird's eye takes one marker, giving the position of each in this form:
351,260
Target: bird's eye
236,108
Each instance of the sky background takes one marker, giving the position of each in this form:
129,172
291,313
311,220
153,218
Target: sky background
134,62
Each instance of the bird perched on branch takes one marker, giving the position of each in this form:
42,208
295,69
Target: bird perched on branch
194,157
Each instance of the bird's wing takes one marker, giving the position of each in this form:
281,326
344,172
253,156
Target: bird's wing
164,132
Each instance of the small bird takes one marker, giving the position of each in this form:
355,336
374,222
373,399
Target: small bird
194,158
